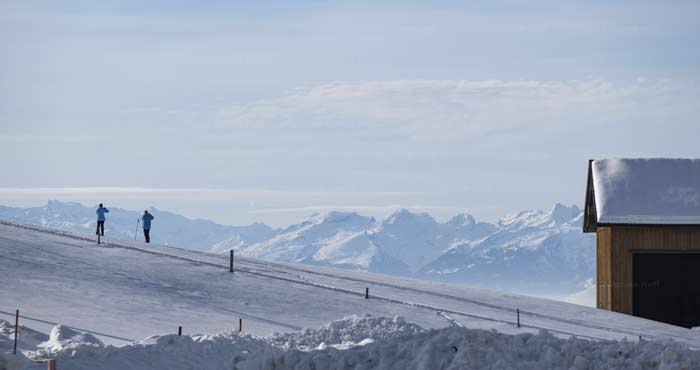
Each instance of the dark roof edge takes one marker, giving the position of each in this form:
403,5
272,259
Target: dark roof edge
608,224
590,219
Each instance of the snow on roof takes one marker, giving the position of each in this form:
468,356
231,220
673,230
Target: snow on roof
647,191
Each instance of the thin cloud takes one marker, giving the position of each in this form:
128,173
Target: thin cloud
190,193
455,108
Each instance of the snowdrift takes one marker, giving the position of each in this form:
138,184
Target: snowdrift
355,342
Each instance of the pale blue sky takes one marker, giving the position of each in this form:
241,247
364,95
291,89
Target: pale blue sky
290,107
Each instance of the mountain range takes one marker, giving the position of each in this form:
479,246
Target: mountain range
537,252
168,228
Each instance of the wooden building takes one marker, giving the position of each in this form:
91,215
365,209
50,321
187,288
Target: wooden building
646,215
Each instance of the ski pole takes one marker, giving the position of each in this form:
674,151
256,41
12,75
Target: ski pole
138,220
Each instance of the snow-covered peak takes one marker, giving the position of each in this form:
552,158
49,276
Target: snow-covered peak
53,203
404,216
464,227
462,220
558,215
303,241
520,219
329,218
335,217
413,238
563,214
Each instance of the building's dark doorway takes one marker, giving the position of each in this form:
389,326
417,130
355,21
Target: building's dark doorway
667,287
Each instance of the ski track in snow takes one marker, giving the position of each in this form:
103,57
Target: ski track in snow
271,270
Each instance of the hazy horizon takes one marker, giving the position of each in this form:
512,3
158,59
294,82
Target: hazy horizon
485,107
278,218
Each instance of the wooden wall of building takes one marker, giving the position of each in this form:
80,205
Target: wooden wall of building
615,248
603,268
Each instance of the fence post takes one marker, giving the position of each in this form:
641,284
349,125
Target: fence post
240,325
230,264
366,293
517,310
52,364
14,349
179,330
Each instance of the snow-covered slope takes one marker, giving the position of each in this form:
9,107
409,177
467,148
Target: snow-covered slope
168,228
123,291
72,280
524,252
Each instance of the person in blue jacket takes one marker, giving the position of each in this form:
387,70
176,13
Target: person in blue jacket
101,220
147,218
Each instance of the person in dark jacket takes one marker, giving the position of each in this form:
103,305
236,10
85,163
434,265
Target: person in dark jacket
101,220
147,218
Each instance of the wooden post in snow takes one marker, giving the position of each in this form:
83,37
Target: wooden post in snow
14,349
179,330
230,263
366,293
240,325
517,311
52,364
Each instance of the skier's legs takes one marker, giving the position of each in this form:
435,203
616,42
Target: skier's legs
147,235
100,228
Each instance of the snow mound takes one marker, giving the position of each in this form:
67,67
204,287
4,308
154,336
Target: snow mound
64,338
27,338
224,350
346,332
459,348
356,342
65,342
